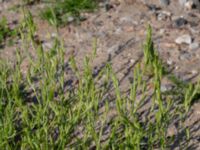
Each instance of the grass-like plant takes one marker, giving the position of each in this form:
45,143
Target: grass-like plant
42,109
5,30
60,12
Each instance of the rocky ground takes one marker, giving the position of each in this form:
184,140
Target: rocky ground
120,29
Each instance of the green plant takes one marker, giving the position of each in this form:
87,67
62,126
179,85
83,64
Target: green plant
5,31
60,12
42,110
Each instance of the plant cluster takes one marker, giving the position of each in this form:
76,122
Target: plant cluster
5,31
42,110
64,11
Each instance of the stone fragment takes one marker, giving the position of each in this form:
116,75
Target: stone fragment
193,4
194,72
165,87
182,2
161,16
196,4
153,7
70,19
113,49
189,5
164,2
180,22
108,6
118,31
187,39
169,62
132,61
125,19
194,46
185,56
171,131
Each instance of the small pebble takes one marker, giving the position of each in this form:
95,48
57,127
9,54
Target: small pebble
182,2
113,49
121,75
194,72
132,61
165,88
108,7
180,22
125,19
169,62
164,2
194,4
162,31
153,7
70,19
53,35
194,46
118,31
47,45
171,131
189,5
187,39
185,56
161,16
177,67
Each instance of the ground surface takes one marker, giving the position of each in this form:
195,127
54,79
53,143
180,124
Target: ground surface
120,33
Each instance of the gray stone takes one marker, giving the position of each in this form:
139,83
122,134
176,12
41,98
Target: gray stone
185,56
161,16
166,87
187,39
125,19
118,31
182,2
70,19
153,7
190,4
132,61
113,49
180,22
194,46
47,45
196,4
164,2
169,62
53,34
194,72
162,31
